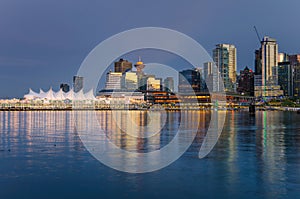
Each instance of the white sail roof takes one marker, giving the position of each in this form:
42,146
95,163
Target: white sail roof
31,94
49,95
90,95
41,91
79,95
70,95
60,95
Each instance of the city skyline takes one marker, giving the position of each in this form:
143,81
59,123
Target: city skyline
40,50
149,99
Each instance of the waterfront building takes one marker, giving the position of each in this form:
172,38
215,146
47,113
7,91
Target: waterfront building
113,80
161,97
224,56
51,95
122,66
64,87
77,83
121,97
169,84
268,91
246,82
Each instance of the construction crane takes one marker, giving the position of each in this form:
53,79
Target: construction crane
259,39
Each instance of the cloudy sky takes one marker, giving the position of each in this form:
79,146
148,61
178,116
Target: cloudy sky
43,42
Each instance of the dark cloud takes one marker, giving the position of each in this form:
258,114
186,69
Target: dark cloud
43,43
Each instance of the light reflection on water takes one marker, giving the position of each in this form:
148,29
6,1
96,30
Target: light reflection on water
41,155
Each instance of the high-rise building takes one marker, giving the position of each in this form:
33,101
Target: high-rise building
189,79
211,76
129,81
122,66
257,63
294,59
246,82
295,64
113,80
266,69
77,83
161,83
258,70
64,87
143,81
296,80
224,56
169,84
285,74
269,61
208,69
153,84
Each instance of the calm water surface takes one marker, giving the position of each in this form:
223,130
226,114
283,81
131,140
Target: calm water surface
42,156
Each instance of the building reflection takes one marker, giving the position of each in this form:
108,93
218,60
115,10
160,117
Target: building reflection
27,132
271,151
138,132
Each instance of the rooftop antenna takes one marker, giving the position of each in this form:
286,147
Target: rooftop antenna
259,39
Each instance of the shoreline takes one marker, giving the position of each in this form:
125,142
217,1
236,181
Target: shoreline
290,109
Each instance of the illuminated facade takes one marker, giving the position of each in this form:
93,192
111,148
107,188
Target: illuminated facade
153,84
129,81
266,66
269,61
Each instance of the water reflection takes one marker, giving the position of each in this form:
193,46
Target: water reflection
255,155
121,141
261,151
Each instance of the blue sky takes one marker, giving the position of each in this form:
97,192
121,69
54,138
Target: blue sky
43,42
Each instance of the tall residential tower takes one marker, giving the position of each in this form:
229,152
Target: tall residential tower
269,61
266,69
224,56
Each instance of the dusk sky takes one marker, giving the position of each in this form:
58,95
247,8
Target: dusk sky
43,42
